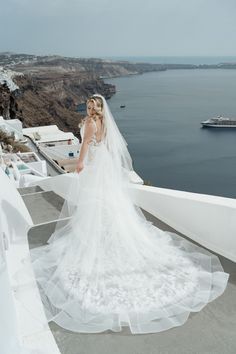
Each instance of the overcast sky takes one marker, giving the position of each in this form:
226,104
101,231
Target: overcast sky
100,28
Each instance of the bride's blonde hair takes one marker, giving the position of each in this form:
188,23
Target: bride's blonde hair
98,105
98,108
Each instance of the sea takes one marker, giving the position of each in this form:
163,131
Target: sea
161,123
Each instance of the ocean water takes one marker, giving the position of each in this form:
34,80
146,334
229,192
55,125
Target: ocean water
196,60
161,123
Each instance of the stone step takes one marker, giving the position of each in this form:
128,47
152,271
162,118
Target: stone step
43,207
38,235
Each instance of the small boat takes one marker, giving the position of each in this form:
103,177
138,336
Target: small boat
122,106
220,122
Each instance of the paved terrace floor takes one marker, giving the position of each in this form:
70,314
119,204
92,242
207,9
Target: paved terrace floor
212,330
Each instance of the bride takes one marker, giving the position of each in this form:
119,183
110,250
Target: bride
105,266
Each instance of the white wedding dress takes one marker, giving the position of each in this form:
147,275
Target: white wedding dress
109,267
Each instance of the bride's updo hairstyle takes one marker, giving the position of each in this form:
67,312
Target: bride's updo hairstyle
98,105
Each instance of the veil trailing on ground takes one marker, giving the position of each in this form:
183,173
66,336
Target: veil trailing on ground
109,266
115,170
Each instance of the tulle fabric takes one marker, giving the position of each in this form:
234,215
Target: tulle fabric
107,266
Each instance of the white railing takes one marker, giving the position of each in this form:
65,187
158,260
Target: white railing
207,219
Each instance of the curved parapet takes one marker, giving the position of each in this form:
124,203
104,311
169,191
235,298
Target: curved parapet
207,219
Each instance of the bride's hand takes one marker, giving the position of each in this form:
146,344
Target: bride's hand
79,167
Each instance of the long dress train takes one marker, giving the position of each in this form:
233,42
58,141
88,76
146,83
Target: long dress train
109,267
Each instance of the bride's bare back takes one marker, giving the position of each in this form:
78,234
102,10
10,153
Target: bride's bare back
99,129
93,115
98,125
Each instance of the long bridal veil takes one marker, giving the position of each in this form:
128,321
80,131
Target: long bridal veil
105,266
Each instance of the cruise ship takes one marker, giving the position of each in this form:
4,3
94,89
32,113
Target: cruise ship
220,122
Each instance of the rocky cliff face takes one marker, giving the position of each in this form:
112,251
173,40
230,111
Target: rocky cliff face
53,99
8,104
50,88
